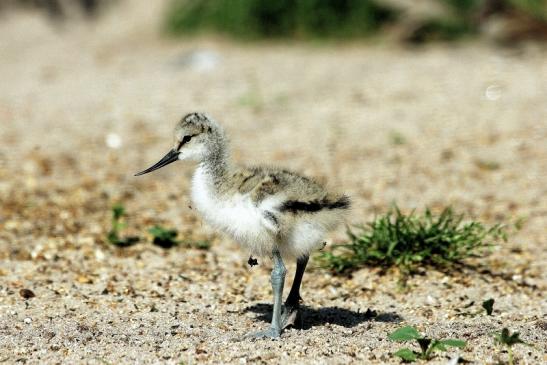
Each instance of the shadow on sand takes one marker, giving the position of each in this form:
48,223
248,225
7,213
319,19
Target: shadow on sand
310,317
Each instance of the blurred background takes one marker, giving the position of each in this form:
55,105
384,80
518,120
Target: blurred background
408,101
506,21
419,103
416,102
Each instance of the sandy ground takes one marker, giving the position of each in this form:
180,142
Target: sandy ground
83,107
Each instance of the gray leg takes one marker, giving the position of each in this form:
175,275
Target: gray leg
292,304
278,281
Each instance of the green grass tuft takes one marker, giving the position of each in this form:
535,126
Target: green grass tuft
281,18
309,19
410,241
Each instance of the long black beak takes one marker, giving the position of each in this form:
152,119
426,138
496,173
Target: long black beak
170,157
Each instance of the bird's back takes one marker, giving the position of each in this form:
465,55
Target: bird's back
300,193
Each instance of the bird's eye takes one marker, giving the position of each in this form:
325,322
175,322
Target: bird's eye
185,140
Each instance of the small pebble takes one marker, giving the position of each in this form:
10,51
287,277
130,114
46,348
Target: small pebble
99,255
430,300
493,92
113,140
26,293
27,320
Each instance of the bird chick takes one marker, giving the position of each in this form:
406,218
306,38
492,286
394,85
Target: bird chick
270,212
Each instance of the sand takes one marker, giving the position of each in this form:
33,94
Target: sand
85,106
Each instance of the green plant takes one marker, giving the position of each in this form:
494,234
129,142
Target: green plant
427,345
118,224
252,99
535,8
462,18
487,165
200,245
280,18
397,138
488,306
409,241
163,237
167,238
508,339
254,19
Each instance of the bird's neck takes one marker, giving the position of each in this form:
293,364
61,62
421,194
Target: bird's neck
217,164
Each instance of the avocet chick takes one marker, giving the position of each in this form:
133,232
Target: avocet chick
270,212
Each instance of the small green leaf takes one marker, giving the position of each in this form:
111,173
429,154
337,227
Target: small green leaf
514,339
437,345
509,339
406,354
118,211
454,343
405,334
488,306
502,337
202,245
163,237
113,237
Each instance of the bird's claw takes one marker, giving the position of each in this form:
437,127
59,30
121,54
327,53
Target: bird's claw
289,315
271,332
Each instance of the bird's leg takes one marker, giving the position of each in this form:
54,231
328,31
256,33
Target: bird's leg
292,304
278,281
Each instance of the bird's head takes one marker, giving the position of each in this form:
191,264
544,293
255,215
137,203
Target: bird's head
196,137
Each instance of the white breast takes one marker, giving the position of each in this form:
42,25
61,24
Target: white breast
236,215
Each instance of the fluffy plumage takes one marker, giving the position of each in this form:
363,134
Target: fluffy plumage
262,208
